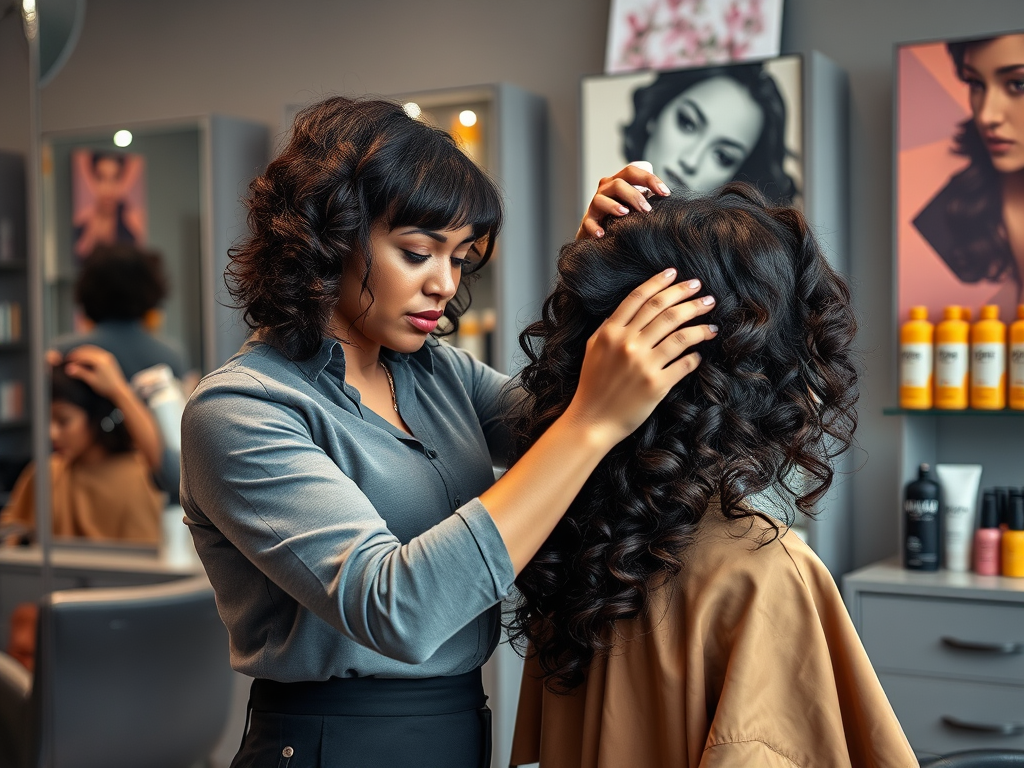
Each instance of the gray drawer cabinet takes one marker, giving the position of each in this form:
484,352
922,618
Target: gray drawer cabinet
949,651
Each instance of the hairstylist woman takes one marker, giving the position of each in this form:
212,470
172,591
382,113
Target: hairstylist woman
336,473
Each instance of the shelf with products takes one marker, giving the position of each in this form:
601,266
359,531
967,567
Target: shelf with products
961,412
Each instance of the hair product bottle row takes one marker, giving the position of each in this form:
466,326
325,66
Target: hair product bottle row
956,364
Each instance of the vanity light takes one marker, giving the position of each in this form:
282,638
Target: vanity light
412,109
467,117
123,138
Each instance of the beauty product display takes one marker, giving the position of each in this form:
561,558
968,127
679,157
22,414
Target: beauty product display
1016,361
988,361
916,338
958,486
921,522
1013,539
988,537
952,353
1003,505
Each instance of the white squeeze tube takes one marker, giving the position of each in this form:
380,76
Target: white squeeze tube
958,490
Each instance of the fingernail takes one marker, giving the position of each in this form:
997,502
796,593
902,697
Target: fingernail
598,233
669,273
664,190
694,284
707,300
622,209
712,327
645,205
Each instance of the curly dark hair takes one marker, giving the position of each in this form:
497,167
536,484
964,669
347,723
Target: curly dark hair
977,247
764,166
120,281
767,410
105,421
349,165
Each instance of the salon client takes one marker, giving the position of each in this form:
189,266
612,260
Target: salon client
337,472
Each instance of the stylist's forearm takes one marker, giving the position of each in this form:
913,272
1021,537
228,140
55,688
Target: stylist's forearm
531,497
141,425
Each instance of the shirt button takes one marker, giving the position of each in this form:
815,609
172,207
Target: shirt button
431,453
458,502
287,752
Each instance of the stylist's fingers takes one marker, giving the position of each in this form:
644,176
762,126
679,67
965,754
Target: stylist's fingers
640,173
674,316
665,305
617,195
639,296
676,344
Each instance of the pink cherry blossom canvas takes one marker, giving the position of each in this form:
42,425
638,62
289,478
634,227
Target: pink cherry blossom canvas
667,34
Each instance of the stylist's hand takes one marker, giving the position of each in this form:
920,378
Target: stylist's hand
99,369
619,194
637,355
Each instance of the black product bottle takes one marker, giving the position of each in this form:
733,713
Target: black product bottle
921,523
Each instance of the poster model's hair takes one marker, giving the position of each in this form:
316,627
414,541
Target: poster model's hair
764,166
769,407
966,224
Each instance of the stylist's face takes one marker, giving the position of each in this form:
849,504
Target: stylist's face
413,275
994,71
703,136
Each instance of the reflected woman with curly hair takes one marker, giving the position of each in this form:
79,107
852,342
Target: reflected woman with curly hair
672,617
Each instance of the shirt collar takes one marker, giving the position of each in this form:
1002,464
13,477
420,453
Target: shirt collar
332,349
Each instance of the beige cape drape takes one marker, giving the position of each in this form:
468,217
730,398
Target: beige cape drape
747,658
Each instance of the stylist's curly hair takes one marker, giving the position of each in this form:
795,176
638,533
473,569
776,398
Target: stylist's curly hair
769,407
350,165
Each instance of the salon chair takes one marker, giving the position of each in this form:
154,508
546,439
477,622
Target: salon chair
124,677
977,758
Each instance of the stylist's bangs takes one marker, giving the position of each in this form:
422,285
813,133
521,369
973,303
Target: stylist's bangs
436,186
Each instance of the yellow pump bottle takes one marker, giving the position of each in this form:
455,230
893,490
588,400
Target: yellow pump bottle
1017,361
952,353
916,338
988,361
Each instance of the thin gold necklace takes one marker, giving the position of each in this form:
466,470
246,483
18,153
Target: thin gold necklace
391,383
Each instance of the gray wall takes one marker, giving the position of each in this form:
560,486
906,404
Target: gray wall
143,59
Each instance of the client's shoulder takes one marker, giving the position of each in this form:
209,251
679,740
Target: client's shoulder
753,549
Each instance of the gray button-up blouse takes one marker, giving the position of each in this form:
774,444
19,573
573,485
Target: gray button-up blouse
337,544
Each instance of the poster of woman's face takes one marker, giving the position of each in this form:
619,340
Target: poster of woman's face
699,127
108,193
960,174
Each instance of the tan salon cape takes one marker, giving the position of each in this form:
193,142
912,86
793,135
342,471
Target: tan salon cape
109,500
747,658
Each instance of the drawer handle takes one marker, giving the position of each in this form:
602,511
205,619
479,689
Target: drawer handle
1007,649
999,729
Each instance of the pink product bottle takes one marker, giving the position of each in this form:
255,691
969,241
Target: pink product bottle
987,538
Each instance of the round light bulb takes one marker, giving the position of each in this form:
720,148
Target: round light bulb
412,109
123,138
467,117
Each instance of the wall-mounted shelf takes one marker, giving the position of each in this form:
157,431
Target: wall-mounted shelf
941,412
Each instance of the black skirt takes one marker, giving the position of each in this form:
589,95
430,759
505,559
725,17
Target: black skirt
368,722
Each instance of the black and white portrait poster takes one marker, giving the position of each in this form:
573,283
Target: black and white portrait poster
699,127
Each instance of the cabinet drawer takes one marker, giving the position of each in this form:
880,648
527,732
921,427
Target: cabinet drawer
921,703
944,637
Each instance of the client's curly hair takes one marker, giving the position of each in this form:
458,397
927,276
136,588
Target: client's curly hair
769,407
